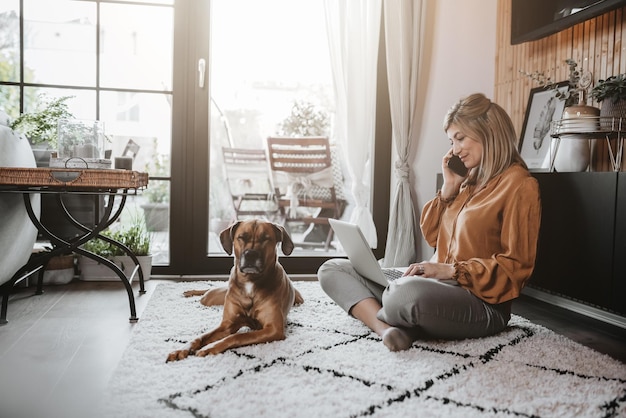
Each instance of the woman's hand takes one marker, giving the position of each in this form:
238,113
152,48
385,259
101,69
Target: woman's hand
451,180
440,271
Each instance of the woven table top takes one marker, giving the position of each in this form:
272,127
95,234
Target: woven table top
68,178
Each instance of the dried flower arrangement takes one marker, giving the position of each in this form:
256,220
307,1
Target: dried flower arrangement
572,95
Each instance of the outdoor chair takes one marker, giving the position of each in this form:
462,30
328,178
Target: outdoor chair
247,174
304,179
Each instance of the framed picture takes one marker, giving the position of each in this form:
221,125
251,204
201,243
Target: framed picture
543,108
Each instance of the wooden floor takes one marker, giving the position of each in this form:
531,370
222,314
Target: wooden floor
600,336
59,349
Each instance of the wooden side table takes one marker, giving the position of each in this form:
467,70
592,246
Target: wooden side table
114,185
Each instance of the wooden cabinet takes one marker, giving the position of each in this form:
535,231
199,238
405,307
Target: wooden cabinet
582,241
618,296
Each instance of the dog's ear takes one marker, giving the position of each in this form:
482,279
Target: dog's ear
226,237
284,238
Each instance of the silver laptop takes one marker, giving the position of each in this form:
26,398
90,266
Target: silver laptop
360,254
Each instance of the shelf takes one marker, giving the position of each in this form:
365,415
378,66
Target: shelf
592,127
588,128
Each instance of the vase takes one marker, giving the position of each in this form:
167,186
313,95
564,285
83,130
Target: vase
574,152
42,152
573,156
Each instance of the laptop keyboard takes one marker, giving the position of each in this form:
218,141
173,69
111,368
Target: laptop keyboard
392,274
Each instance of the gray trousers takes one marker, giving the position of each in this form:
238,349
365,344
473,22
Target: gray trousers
427,307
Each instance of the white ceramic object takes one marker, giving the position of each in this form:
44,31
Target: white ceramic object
17,232
574,153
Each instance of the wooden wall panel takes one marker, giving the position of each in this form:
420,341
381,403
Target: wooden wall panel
598,45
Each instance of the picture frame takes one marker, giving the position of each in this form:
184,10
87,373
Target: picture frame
535,141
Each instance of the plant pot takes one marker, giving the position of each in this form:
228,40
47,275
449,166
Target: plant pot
42,154
611,113
91,270
157,216
60,270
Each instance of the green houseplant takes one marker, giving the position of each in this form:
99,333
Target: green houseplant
611,93
571,95
136,237
40,126
613,88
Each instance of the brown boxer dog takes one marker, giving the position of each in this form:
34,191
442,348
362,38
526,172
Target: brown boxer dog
259,293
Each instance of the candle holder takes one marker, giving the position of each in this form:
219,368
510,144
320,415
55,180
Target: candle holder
81,145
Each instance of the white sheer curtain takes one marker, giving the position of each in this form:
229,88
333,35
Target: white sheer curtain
353,34
403,23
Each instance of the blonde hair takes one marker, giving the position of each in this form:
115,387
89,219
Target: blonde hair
484,121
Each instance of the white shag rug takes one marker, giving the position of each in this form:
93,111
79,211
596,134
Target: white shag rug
331,365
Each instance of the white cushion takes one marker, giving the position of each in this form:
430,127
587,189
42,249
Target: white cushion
17,232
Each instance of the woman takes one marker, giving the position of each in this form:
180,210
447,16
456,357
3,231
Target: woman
484,227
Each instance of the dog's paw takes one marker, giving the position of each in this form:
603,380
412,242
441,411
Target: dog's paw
208,352
202,353
177,355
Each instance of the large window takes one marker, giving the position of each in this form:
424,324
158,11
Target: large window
176,81
114,61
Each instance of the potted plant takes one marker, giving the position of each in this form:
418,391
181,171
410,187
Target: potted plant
613,88
611,93
157,206
41,126
571,95
305,120
136,237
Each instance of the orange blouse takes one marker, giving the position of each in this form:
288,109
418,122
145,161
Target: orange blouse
490,234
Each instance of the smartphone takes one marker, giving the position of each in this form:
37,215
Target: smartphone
456,165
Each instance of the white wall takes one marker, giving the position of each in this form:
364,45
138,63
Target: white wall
459,60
